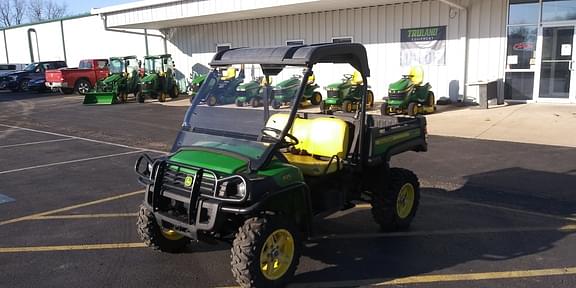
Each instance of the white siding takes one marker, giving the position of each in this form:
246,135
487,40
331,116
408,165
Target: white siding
377,27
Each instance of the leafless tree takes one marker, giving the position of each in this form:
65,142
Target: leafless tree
12,12
40,10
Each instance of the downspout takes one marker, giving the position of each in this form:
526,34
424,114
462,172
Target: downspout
63,41
6,46
145,33
466,40
31,46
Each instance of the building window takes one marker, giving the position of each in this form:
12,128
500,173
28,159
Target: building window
294,42
519,85
521,46
558,10
341,39
223,47
523,12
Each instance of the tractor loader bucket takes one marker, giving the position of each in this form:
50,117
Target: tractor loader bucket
99,98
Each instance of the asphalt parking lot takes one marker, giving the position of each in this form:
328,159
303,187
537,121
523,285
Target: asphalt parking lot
492,214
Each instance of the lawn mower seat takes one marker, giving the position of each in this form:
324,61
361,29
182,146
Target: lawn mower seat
324,141
230,74
416,75
357,78
311,80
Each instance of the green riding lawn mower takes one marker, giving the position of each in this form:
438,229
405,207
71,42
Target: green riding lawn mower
409,96
346,95
197,77
251,92
259,180
285,91
123,79
158,81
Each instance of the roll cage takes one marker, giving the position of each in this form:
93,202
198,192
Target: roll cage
273,60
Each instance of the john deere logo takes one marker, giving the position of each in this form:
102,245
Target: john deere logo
188,181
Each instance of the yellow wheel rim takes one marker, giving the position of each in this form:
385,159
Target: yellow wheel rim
171,235
405,200
277,254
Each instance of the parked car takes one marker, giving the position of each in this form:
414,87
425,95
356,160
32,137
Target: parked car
31,77
6,69
81,79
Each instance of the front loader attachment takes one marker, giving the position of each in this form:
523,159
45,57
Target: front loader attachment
100,98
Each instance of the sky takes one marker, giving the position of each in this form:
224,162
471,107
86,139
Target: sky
76,7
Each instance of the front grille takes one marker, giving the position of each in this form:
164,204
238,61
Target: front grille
174,182
397,96
332,94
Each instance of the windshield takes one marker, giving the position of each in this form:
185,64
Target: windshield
30,67
228,111
153,65
116,66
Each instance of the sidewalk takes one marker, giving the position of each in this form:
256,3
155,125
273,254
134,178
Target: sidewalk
548,124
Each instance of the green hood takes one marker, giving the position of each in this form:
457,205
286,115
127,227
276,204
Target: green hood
288,83
112,79
150,78
400,85
199,79
213,161
334,86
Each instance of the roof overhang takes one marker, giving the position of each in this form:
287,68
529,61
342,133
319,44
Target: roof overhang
160,14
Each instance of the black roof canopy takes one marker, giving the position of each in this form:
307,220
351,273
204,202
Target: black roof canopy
304,55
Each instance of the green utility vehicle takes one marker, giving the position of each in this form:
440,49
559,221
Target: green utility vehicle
250,92
258,179
123,79
347,95
285,91
158,81
409,96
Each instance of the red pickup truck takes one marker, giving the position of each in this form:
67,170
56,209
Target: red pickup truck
81,79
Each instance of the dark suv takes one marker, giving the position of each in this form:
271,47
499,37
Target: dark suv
31,77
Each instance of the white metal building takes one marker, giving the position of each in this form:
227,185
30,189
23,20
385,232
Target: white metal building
525,45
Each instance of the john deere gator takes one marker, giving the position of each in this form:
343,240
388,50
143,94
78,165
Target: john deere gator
123,79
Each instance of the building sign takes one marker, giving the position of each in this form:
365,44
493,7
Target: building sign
423,46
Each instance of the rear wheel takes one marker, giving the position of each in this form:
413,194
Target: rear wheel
413,109
370,99
156,237
316,98
265,252
394,202
323,106
140,96
162,97
239,103
212,101
83,86
174,92
431,101
276,104
347,106
384,109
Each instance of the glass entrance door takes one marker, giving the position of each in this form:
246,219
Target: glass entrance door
557,65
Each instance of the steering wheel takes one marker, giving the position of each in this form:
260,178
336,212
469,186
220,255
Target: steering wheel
274,134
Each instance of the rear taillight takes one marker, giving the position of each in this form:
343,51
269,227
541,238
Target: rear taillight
62,79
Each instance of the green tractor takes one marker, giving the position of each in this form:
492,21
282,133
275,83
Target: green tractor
346,95
250,92
158,81
285,91
260,180
123,79
409,96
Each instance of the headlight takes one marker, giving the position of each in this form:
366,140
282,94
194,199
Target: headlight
13,77
330,89
240,89
233,188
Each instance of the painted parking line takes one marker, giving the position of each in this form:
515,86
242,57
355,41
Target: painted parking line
36,143
69,162
83,138
85,216
46,213
71,247
423,279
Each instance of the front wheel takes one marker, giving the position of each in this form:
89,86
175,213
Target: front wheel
276,104
413,109
370,99
162,97
265,252
239,103
384,109
212,101
316,98
255,102
395,200
156,237
347,106
23,85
